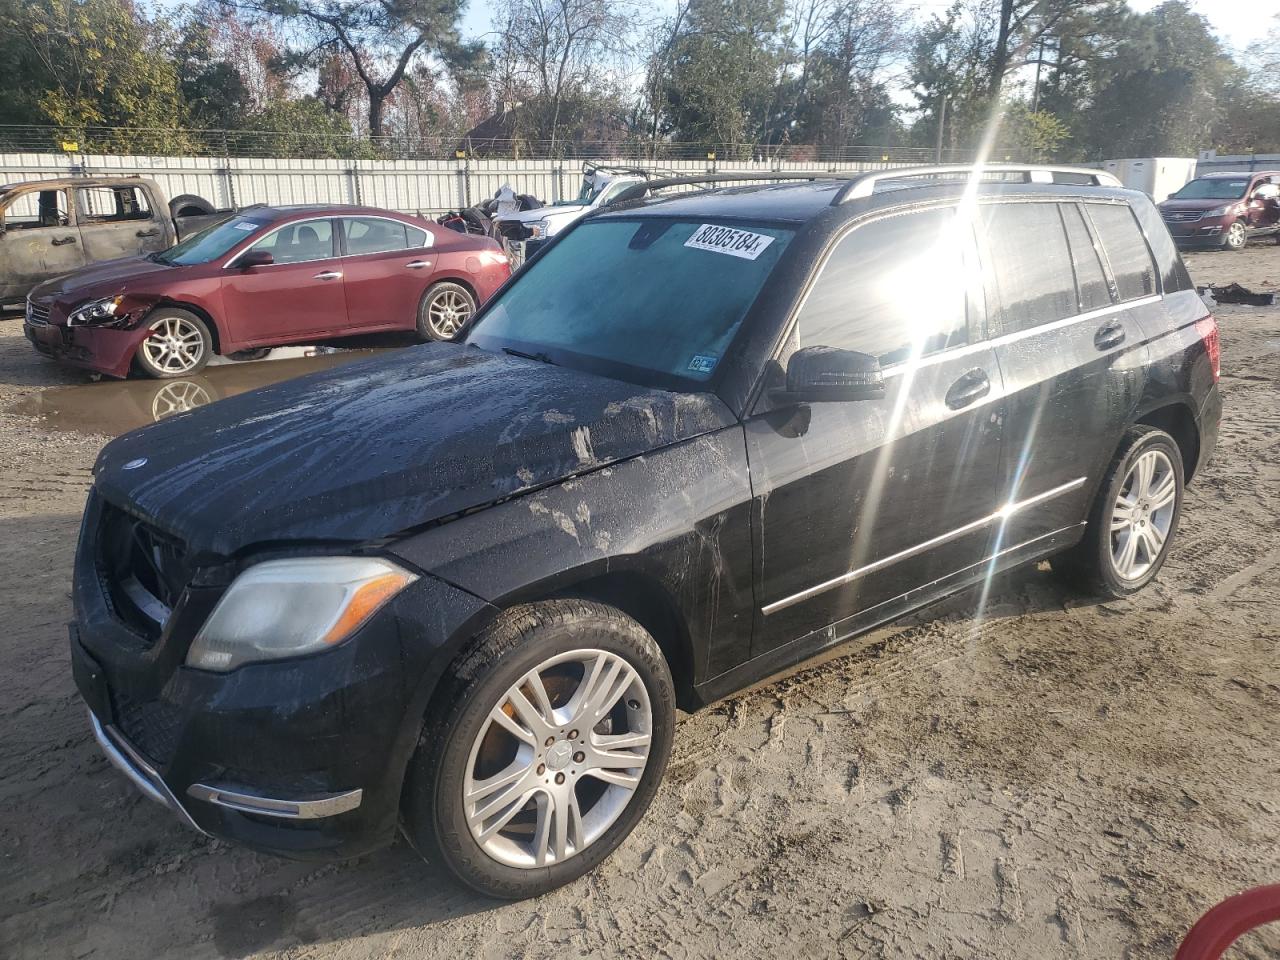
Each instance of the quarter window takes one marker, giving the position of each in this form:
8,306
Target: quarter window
1091,281
417,238
371,235
299,242
1126,248
1029,264
894,288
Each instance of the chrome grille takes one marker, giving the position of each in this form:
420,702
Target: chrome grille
37,314
1181,216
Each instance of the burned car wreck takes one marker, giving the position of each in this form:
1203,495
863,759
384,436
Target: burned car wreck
461,590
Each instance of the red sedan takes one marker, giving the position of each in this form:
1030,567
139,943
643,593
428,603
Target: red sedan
266,277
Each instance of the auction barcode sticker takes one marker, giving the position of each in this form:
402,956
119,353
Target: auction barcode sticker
736,243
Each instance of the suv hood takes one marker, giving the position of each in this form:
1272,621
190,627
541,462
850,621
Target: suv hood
1196,204
542,213
375,448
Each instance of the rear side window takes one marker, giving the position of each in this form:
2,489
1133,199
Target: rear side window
372,235
1091,282
1029,264
1173,272
1126,250
113,204
417,238
894,288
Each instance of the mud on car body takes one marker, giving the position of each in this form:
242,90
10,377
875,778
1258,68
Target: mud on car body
461,590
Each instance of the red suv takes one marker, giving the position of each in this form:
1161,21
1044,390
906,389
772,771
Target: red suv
1224,209
266,277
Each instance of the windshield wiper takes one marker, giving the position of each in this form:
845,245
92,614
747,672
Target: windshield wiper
540,357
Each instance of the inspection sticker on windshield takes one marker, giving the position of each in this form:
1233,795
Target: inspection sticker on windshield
736,243
703,363
247,226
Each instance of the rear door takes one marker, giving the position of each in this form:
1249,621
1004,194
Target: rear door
117,222
1066,321
859,502
38,240
299,295
388,265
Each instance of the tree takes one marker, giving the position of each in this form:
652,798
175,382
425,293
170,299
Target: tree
379,39
78,64
723,71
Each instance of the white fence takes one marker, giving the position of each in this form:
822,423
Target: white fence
426,187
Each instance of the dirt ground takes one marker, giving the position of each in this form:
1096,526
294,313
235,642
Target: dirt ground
1059,779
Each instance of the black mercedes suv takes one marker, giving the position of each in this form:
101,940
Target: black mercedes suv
460,590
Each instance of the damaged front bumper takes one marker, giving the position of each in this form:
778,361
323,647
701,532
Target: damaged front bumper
104,349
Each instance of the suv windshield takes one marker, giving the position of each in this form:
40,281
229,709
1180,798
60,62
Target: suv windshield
654,302
1226,188
210,243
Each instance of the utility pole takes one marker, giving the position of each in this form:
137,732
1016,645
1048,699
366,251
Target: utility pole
942,122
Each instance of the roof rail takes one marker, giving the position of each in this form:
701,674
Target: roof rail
864,184
641,189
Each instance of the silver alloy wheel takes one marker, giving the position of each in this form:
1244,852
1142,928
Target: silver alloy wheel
1236,235
175,345
1143,514
447,311
178,396
558,758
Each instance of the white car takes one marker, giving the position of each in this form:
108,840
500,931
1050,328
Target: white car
600,185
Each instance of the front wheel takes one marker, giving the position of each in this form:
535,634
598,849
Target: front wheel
548,748
1133,519
444,310
1236,237
179,344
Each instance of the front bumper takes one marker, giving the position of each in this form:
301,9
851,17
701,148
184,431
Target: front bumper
104,349
1205,232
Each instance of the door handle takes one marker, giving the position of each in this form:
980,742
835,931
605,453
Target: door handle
418,264
974,385
60,241
1109,335
147,233
328,275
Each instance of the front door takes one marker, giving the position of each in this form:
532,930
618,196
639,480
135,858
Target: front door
117,222
388,266
299,295
38,240
860,502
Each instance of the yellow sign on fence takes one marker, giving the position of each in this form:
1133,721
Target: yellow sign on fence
70,146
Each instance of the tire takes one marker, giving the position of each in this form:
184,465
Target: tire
187,346
190,205
445,309
461,745
1237,236
1097,564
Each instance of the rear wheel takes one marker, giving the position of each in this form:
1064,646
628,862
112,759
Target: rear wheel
179,344
1133,519
1236,237
553,737
445,308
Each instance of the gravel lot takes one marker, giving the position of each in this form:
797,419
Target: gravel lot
1061,779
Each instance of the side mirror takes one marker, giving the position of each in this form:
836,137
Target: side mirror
256,258
815,374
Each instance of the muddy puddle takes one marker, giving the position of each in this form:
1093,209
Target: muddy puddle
117,406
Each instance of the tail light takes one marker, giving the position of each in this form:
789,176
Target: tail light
1207,327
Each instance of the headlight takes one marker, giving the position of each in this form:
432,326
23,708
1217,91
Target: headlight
285,608
1221,211
95,311
539,230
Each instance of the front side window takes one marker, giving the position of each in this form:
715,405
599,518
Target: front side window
1028,264
894,288
211,243
113,204
1126,249
372,235
653,301
299,242
35,209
